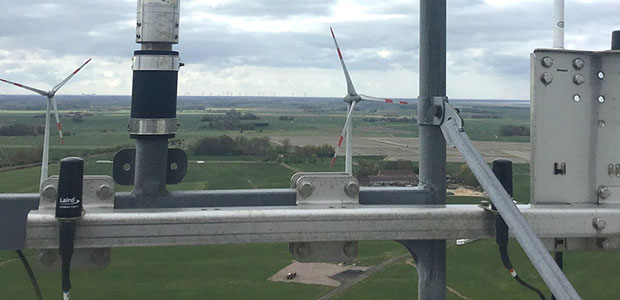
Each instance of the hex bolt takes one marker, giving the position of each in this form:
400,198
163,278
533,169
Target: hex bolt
303,250
100,256
305,189
547,62
604,243
599,224
104,192
546,78
352,189
579,79
48,257
578,63
49,193
604,192
350,249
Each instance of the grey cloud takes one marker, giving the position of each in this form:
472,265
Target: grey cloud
274,8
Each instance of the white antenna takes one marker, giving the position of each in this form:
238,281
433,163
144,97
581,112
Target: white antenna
558,24
351,99
51,100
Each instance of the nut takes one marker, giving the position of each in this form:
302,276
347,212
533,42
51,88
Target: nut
350,249
579,79
48,257
599,224
305,189
547,62
604,192
303,250
49,193
578,63
546,78
352,189
104,192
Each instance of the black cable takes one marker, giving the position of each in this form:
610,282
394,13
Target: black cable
559,259
33,279
67,238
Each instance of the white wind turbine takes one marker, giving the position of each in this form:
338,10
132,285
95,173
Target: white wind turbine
351,99
50,101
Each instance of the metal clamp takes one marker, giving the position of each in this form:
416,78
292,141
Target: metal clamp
123,168
451,114
156,63
328,189
98,194
164,126
431,110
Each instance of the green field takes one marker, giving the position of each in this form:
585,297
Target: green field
241,271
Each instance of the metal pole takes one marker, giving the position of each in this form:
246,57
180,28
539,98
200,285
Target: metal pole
558,23
348,165
430,255
151,167
531,244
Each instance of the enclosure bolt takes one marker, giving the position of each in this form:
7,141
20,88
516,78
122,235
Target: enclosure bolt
139,24
350,249
104,192
605,243
603,192
302,250
48,257
305,189
547,62
546,78
578,63
100,256
49,193
599,224
579,79
352,189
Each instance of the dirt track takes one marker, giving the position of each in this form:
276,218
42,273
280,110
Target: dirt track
409,148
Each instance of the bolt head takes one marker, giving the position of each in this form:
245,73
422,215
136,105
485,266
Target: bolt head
547,62
49,193
352,189
48,257
579,79
605,243
546,78
350,249
604,192
578,63
302,250
104,191
599,224
305,189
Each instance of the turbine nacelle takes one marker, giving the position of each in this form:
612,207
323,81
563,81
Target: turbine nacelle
348,99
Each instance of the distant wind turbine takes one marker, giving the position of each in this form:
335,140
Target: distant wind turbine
51,100
351,99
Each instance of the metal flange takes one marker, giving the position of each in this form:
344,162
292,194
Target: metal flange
164,126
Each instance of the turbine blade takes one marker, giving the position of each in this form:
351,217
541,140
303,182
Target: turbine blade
384,100
350,88
344,131
62,141
59,85
38,91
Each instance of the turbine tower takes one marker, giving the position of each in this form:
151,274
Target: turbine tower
51,100
351,99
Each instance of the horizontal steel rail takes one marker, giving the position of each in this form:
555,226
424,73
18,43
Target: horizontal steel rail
156,227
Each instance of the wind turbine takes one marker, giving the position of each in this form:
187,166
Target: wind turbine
51,100
351,99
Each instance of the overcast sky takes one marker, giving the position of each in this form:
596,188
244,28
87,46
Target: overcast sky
283,47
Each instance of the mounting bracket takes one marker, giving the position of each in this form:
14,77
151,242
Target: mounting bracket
325,190
123,169
98,194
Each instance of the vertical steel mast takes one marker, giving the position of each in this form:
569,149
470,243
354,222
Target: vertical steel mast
154,93
430,255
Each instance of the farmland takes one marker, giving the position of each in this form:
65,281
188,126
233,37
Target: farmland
241,271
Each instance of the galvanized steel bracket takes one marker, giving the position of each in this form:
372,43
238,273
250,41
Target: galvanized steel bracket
98,193
451,114
326,189
331,190
123,169
431,110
